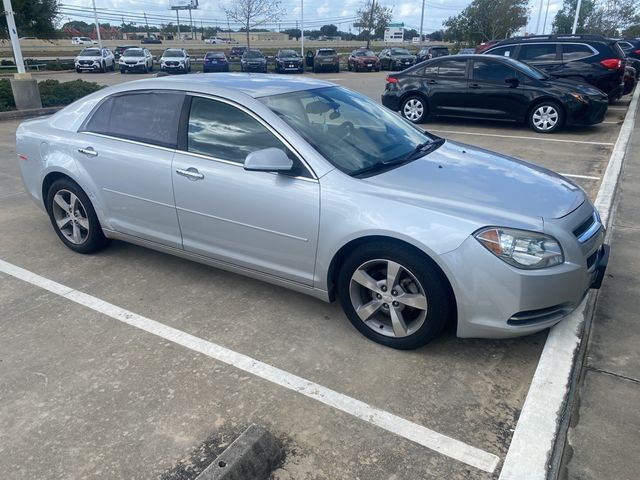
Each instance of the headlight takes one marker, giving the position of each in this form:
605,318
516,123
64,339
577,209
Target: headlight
578,97
521,248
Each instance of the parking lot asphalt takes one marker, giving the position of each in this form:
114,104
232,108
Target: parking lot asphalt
83,395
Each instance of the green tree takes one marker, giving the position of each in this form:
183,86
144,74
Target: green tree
253,13
486,20
34,18
409,34
563,21
373,20
329,30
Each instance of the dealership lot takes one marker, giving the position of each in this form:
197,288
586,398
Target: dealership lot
85,394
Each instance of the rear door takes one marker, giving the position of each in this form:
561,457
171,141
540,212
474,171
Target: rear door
497,90
446,84
125,149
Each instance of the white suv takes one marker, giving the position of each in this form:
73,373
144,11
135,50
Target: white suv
136,59
93,59
175,60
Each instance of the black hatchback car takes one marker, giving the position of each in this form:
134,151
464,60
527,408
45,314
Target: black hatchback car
586,58
491,87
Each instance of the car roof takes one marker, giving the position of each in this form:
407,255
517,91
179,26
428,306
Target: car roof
256,86
555,38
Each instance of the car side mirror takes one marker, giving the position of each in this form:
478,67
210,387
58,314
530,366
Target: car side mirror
268,160
512,81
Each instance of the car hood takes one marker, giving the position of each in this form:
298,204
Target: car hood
290,59
404,57
97,57
367,59
254,59
576,86
124,57
173,59
459,177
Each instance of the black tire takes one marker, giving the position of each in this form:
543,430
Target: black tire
553,109
113,66
315,70
123,71
145,69
338,68
95,239
103,68
377,69
78,70
419,275
349,67
151,68
415,109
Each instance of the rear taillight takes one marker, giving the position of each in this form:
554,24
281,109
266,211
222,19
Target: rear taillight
392,80
637,52
611,63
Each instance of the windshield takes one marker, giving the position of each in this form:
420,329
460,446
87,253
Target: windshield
399,51
173,53
322,53
288,53
133,52
364,53
531,71
90,52
215,55
348,129
253,54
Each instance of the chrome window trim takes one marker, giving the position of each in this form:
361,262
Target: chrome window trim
261,122
514,45
135,142
591,231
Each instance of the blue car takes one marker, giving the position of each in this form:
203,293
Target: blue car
215,62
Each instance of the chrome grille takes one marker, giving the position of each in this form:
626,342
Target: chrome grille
588,228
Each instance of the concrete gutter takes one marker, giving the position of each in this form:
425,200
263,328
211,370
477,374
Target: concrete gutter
542,424
252,456
35,112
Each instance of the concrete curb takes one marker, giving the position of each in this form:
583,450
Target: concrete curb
542,423
252,456
34,112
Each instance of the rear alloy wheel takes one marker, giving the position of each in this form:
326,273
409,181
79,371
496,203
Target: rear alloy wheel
393,296
546,117
73,217
414,109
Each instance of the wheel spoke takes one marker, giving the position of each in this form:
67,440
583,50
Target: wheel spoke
366,311
393,273
63,222
397,320
77,238
414,300
61,202
83,222
73,200
364,279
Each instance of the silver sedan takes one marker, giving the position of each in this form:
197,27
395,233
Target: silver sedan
316,188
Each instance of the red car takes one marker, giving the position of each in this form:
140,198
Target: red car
363,59
486,45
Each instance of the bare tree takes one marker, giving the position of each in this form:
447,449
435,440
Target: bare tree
253,13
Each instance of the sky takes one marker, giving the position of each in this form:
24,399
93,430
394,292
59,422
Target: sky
316,12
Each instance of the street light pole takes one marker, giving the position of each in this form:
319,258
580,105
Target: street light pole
575,20
95,16
302,28
13,34
421,21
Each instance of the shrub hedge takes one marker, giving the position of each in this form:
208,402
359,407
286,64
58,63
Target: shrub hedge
52,92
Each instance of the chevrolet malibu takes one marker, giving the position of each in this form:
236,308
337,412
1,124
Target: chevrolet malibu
316,188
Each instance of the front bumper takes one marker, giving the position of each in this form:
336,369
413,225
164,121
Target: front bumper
215,67
496,300
88,66
590,113
132,66
171,67
254,67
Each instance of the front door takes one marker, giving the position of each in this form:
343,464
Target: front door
263,221
497,91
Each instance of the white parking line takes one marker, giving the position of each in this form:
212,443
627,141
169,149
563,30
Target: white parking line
573,175
417,433
457,132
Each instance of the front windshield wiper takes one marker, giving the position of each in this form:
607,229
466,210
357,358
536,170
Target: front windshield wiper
420,151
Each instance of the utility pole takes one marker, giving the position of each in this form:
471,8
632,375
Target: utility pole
95,15
373,5
191,22
301,28
421,21
145,22
178,22
575,20
229,28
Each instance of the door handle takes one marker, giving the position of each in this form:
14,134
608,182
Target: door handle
432,82
88,151
474,85
191,173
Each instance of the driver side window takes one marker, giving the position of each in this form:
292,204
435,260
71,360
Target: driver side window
219,130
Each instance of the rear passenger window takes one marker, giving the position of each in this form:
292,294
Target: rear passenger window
502,51
452,68
148,117
574,51
539,52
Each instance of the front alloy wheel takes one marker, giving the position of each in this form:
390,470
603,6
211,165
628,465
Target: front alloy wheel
394,295
546,117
